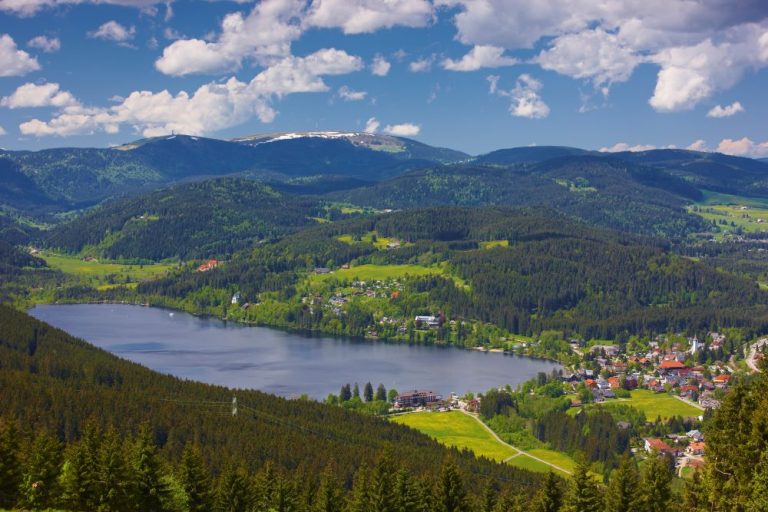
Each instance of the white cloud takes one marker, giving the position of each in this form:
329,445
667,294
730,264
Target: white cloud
2,131
372,125
698,145
264,36
593,54
403,130
213,106
33,95
623,146
348,94
526,101
727,111
31,7
480,57
360,16
380,66
15,62
46,44
113,31
423,64
743,147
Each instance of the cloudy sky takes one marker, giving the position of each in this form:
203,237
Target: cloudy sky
474,75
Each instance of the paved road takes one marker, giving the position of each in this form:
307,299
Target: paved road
692,404
753,353
518,450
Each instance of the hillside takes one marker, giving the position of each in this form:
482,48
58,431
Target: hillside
528,155
603,191
523,271
194,220
62,386
74,176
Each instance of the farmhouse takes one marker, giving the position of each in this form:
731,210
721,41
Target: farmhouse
653,443
208,265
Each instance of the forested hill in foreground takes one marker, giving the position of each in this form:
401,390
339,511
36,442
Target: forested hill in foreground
194,220
602,191
524,271
56,384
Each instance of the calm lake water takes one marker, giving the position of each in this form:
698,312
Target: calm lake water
284,363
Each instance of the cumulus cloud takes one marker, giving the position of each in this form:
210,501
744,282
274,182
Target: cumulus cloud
380,66
403,130
480,57
46,44
372,125
743,147
31,7
2,131
360,16
213,106
264,36
701,47
33,95
526,101
698,145
15,62
593,54
348,94
113,31
623,146
423,64
727,111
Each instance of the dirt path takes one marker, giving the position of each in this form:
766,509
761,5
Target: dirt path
518,450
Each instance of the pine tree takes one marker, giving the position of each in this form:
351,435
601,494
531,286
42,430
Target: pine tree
489,497
381,393
264,486
450,493
195,480
758,501
114,479
345,393
368,392
583,493
233,495
656,484
79,475
10,467
695,496
381,485
284,496
359,498
149,488
508,502
41,472
550,496
356,391
329,494
406,494
623,490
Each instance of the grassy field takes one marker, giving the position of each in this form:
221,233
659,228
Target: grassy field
101,271
380,272
372,238
653,405
459,430
716,198
557,458
494,243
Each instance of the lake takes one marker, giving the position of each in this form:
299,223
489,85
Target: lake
280,362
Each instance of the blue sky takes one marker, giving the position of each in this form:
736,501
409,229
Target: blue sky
474,75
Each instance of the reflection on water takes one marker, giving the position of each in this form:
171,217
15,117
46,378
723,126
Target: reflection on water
275,361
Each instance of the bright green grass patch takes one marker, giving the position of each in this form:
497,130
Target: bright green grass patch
459,430
657,404
557,458
494,243
380,272
100,270
523,462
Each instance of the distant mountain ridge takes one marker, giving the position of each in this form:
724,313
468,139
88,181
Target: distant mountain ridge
76,176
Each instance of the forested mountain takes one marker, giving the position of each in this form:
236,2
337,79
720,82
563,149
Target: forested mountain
73,176
600,190
529,155
553,273
194,220
62,389
712,171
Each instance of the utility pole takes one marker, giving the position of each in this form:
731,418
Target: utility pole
234,406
